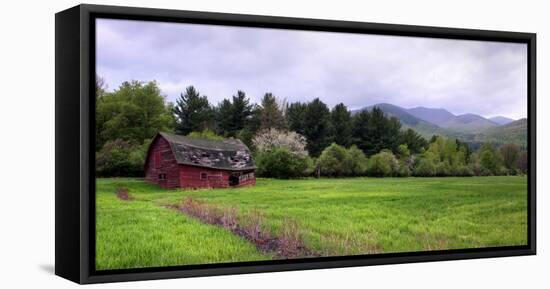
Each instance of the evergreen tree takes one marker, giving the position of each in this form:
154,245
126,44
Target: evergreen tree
510,154
317,127
241,110
341,124
193,112
373,131
295,115
415,142
233,115
270,114
224,117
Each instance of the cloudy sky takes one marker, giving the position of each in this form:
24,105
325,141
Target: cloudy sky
486,78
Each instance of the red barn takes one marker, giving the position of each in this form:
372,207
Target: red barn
175,161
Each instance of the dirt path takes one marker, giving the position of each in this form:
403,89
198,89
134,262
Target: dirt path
287,245
123,194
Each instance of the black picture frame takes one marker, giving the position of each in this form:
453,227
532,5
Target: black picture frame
75,140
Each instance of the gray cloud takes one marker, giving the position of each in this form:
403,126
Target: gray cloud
487,78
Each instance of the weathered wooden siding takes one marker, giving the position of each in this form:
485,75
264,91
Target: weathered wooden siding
161,162
199,177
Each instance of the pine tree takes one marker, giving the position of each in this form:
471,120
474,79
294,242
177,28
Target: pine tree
415,142
271,115
317,127
233,115
295,115
341,124
242,110
193,112
224,117
373,131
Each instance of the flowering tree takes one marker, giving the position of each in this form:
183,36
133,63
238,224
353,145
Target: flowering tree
272,138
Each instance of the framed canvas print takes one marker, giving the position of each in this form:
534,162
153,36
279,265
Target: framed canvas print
194,144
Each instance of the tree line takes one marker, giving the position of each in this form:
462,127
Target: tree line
287,139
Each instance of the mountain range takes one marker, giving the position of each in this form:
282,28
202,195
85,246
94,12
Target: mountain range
467,127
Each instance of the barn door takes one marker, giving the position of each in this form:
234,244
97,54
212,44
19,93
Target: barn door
233,180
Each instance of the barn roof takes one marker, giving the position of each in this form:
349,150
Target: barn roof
228,154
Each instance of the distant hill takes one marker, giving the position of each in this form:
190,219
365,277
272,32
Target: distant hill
514,132
433,115
422,127
465,123
501,120
468,127
468,123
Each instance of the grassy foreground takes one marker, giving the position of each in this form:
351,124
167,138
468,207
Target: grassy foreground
334,217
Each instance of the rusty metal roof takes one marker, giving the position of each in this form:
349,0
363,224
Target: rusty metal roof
228,154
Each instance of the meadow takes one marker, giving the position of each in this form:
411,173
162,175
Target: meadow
331,216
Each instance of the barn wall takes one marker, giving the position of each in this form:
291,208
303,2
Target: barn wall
167,165
190,177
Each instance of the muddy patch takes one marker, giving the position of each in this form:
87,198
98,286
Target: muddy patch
287,245
123,194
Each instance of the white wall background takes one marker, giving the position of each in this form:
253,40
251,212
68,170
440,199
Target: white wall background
27,144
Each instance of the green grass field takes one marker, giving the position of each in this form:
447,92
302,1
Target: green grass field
334,217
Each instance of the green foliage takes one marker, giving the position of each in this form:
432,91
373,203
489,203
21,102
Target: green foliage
357,161
403,151
415,142
224,117
281,163
233,115
270,114
205,134
131,115
246,136
134,112
373,132
120,158
510,154
402,170
317,127
489,159
295,117
335,161
193,112
341,124
382,164
424,167
242,110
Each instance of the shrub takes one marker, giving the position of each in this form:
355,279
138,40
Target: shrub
424,167
489,159
382,164
402,170
119,158
282,163
357,160
334,161
443,169
205,134
463,171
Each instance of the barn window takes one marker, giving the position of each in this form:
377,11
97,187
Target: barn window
204,176
157,159
162,176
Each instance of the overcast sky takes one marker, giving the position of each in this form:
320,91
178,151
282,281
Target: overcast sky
486,78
